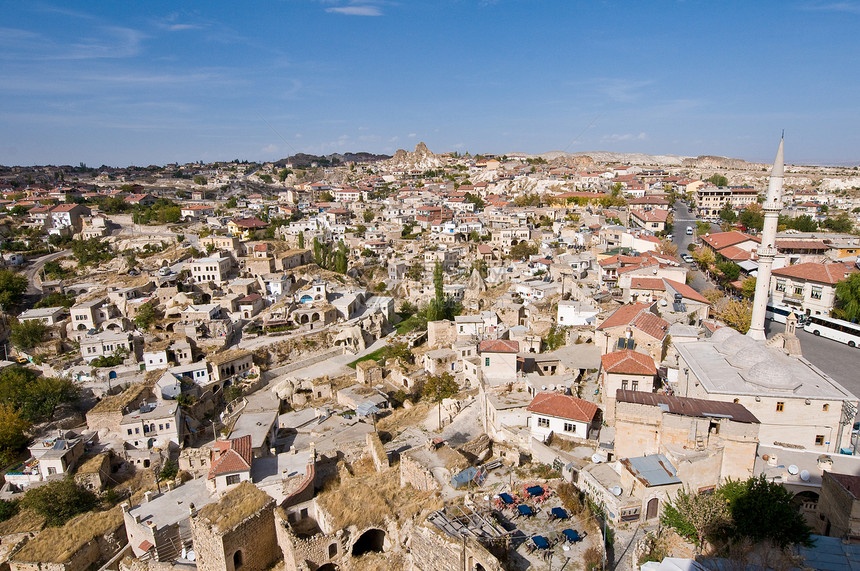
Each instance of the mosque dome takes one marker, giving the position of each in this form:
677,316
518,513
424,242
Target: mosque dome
772,374
735,343
749,356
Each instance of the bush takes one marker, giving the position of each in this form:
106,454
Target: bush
27,334
58,502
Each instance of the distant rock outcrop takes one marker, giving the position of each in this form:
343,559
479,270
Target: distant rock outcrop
422,158
712,162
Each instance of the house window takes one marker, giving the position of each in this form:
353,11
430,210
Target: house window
569,427
232,479
780,285
819,440
798,290
816,292
780,406
129,432
543,422
634,385
332,550
167,426
51,470
624,385
487,362
825,407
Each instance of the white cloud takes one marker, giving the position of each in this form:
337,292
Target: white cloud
412,135
268,149
393,139
356,10
615,137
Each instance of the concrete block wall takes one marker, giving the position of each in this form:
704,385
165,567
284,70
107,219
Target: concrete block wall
415,474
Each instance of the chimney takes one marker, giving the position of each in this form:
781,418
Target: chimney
147,496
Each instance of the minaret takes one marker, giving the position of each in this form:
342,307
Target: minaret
767,250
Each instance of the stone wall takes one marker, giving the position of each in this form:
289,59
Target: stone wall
415,474
441,334
317,549
430,550
253,539
377,452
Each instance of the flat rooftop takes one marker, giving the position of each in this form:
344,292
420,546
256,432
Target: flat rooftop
173,506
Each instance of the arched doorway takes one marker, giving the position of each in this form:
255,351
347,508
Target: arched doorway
651,509
237,559
372,540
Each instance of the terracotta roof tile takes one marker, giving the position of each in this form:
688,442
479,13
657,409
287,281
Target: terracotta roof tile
231,456
720,240
629,362
499,346
563,406
815,272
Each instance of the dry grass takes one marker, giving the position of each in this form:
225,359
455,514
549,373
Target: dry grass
405,417
379,562
238,504
368,498
58,544
22,522
92,464
118,402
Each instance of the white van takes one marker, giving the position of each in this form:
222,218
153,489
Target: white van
689,230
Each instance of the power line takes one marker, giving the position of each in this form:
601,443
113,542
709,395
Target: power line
295,152
590,125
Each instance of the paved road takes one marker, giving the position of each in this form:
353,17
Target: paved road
683,218
34,284
836,359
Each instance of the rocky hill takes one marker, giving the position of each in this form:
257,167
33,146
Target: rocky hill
712,162
421,158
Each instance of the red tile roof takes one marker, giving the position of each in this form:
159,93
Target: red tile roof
628,362
231,456
499,346
850,482
647,283
687,291
735,253
563,406
720,240
624,315
815,272
249,223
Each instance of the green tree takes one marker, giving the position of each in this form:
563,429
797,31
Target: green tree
752,217
27,334
727,213
748,288
90,252
200,180
848,297
12,286
415,272
439,387
231,202
730,270
56,300
267,178
369,215
8,508
763,511
340,259
283,174
301,239
523,250
698,517
34,397
474,199
718,180
12,433
326,197
555,338
841,223
59,501
805,223
146,315
168,470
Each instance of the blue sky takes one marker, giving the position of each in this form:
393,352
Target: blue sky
154,82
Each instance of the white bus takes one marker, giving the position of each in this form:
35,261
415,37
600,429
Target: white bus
778,313
836,329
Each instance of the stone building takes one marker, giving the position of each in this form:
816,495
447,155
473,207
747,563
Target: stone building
797,404
237,532
839,505
708,441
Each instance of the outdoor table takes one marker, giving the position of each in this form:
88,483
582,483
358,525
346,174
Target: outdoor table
540,542
559,513
525,510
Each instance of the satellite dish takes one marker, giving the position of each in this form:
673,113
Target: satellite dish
596,458
804,475
663,303
565,547
616,490
793,470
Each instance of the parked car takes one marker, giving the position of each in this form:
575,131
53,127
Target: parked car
687,258
689,230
